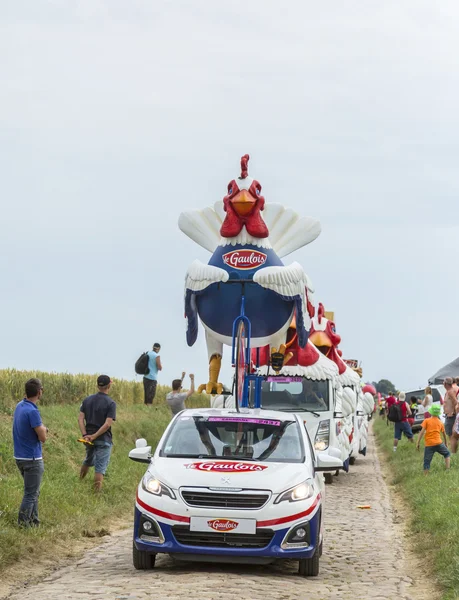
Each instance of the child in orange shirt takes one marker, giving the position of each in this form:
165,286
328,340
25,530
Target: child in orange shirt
433,429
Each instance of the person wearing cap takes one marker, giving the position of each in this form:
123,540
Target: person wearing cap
403,426
97,413
449,407
150,380
433,430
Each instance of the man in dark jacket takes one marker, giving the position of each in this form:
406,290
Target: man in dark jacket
97,413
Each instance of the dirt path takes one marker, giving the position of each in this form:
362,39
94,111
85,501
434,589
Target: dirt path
364,558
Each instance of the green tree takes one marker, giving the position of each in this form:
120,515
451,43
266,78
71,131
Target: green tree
385,387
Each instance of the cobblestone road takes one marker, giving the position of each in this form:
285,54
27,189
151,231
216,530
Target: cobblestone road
364,558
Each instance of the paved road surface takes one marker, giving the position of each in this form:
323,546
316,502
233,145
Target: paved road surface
363,559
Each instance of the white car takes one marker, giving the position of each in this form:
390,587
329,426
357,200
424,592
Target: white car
231,486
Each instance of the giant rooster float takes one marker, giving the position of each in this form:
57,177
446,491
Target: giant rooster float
355,403
247,238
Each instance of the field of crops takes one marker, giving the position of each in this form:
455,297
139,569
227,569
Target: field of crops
63,388
69,508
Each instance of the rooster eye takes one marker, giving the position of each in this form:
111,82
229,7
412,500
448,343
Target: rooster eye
230,191
258,191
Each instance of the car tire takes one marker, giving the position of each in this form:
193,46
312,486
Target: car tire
352,460
142,561
328,477
309,567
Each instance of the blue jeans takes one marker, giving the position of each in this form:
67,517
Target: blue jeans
402,427
32,473
429,451
98,456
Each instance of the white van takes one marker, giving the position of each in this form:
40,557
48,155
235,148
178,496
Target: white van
315,394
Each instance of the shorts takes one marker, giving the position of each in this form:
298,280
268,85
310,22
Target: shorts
402,427
429,451
98,456
449,422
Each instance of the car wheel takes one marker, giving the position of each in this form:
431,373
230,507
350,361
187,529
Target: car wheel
309,567
352,460
328,477
321,548
142,560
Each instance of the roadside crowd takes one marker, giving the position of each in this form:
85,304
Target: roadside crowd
95,419
438,438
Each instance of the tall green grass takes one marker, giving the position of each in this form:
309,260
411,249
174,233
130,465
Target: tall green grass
63,388
68,507
434,506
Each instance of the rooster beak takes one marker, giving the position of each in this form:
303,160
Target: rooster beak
321,341
243,203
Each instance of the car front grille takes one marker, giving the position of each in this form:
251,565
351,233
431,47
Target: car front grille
260,539
209,499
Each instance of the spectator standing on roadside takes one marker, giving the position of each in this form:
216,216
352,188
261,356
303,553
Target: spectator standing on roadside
402,426
427,402
176,398
449,407
389,401
150,380
434,430
97,413
28,435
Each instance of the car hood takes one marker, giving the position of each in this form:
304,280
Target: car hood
195,472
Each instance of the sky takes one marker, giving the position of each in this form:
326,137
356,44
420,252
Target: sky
116,116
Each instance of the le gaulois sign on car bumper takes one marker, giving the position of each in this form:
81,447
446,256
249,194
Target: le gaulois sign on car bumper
223,525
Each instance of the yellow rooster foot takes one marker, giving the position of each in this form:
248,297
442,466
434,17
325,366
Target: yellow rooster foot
279,358
211,388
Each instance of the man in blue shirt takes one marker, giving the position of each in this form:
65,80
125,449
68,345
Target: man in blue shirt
28,435
150,380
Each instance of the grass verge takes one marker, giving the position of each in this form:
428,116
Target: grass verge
433,501
69,509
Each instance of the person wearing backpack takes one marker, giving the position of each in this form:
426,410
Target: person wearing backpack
399,412
150,378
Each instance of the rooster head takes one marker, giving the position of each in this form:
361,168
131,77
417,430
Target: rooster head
243,205
324,337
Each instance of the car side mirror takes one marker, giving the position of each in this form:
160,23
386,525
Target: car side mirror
325,462
142,452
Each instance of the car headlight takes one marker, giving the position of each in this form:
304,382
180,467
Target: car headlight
302,491
322,439
153,486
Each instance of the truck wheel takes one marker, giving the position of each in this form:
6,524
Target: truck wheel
336,473
142,560
328,478
352,460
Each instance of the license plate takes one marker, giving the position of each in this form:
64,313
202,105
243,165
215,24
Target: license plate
223,525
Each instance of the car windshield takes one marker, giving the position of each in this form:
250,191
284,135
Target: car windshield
295,394
234,437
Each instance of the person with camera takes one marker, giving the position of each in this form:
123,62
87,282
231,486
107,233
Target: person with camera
176,398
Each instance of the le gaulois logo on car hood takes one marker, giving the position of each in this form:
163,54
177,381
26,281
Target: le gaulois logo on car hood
226,467
222,524
244,259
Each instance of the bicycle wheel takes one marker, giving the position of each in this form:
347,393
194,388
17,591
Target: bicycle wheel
241,363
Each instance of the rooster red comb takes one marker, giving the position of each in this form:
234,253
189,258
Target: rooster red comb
244,166
320,312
